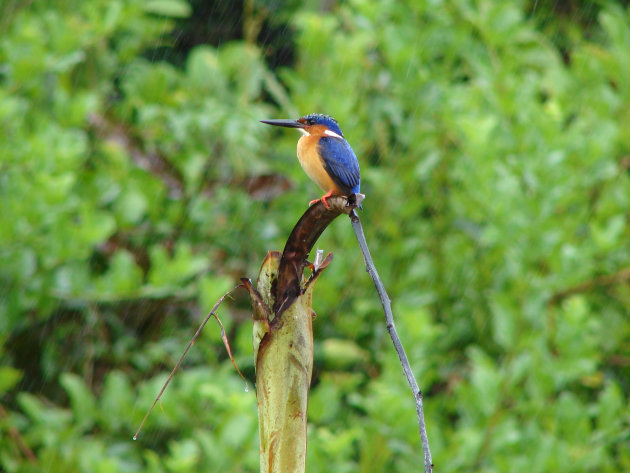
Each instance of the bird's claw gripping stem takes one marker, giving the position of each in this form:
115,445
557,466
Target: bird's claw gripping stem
323,198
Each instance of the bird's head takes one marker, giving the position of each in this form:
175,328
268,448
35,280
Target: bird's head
314,124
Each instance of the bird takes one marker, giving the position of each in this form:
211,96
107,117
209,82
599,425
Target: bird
325,155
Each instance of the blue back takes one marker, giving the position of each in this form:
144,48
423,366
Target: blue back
340,163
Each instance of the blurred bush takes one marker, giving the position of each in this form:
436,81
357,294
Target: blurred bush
137,186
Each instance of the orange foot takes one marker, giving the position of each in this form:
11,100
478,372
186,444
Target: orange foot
323,198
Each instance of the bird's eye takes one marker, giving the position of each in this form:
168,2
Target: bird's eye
310,121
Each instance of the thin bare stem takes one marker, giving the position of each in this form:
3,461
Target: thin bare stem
391,329
190,344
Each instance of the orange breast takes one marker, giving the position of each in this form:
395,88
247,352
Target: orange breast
313,164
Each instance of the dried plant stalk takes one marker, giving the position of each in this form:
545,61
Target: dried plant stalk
283,341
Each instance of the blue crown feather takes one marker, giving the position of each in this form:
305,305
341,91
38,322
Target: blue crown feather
321,119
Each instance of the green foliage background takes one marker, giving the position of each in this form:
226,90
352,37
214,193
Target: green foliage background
137,185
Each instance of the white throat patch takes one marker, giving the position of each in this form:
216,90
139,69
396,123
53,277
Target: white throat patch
304,132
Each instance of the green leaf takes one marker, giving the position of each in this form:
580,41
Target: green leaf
123,278
82,400
184,456
116,404
170,8
9,377
166,271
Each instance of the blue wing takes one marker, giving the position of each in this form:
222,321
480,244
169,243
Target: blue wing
340,163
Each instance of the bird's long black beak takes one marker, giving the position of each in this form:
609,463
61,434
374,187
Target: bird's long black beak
284,123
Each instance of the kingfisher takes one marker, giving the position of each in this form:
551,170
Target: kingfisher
325,155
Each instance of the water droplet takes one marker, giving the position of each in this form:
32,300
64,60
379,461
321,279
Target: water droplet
246,388
135,437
